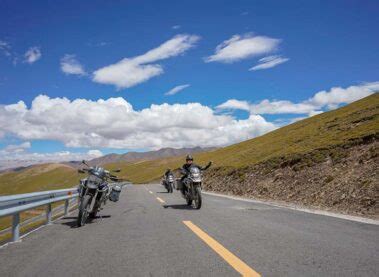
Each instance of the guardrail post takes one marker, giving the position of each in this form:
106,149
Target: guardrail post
48,213
66,204
16,227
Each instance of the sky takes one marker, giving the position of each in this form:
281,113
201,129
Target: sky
79,79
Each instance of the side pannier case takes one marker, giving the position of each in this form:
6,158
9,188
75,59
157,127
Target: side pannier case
115,193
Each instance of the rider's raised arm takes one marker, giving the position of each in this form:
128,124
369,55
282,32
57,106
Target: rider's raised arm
206,167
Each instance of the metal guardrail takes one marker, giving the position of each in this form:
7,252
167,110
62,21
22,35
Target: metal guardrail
12,205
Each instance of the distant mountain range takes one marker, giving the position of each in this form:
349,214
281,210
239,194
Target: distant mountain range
146,156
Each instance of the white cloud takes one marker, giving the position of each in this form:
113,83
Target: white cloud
241,47
114,123
338,95
5,48
313,113
95,153
269,62
24,158
32,55
267,107
314,105
17,148
70,65
233,104
177,89
176,27
132,71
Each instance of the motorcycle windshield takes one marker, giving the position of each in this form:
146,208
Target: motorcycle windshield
194,170
99,172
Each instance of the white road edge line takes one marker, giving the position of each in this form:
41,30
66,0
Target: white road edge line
296,208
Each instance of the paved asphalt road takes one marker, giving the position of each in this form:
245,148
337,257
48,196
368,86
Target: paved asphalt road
151,233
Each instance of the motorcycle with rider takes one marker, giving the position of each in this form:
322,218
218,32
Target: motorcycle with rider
168,181
191,182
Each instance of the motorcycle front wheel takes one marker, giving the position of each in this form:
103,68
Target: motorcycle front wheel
93,214
197,199
83,210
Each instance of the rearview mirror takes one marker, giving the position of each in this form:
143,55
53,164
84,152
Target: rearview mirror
81,171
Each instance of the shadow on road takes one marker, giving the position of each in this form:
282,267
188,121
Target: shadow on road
162,192
74,224
179,207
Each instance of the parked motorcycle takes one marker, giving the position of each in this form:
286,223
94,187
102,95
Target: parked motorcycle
94,191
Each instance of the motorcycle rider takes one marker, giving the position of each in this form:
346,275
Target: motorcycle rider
189,163
165,175
168,172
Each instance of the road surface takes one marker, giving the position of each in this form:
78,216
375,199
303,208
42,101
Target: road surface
152,233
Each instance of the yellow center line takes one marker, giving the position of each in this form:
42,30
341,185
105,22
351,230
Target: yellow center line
228,256
160,200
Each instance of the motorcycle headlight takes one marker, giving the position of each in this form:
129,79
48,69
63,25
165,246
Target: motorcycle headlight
94,179
196,175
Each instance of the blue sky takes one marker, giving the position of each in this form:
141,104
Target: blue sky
319,45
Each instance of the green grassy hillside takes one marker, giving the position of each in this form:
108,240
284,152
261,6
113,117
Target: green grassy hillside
38,178
357,120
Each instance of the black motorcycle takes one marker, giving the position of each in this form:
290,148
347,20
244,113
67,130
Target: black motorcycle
94,191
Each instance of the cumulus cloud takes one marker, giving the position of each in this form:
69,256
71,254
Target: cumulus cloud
338,95
177,89
132,71
70,65
240,47
269,62
32,55
321,100
114,123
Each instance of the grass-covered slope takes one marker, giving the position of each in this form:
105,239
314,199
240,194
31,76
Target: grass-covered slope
38,178
352,122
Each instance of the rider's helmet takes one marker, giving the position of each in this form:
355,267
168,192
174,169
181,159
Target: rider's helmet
189,158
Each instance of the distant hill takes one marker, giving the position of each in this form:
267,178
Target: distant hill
63,175
37,178
146,156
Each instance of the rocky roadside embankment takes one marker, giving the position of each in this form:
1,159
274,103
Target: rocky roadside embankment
341,179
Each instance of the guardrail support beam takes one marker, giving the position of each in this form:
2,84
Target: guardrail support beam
16,227
48,213
66,204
